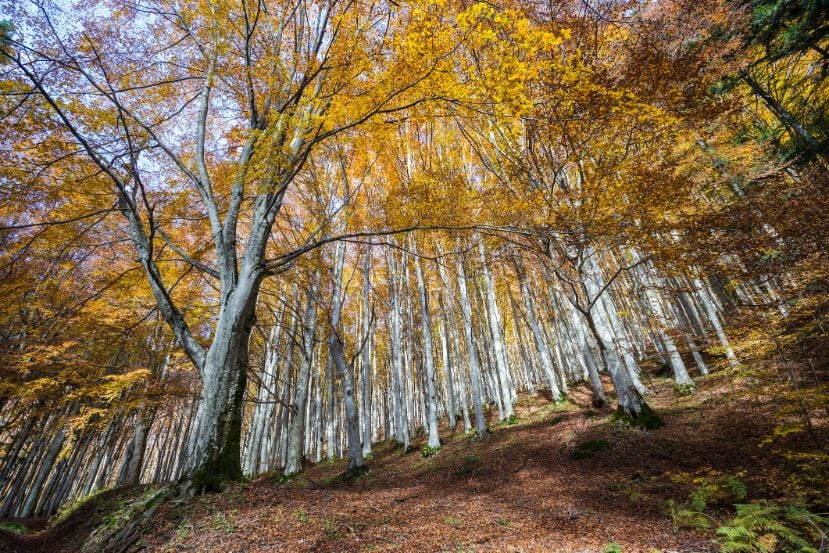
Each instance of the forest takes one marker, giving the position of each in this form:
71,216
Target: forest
414,275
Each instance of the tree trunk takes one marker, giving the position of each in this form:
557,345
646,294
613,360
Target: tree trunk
474,364
782,114
451,409
681,376
336,350
713,317
366,353
428,358
130,473
497,331
538,338
296,433
401,429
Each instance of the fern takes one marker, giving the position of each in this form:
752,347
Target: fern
768,528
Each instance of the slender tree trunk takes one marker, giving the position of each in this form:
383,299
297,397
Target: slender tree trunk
130,473
451,409
428,358
474,365
401,429
782,114
45,467
714,319
497,332
538,338
336,350
366,353
681,376
296,432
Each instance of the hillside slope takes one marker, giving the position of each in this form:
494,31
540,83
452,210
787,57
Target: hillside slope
562,478
525,488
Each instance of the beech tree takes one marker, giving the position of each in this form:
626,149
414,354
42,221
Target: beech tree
231,101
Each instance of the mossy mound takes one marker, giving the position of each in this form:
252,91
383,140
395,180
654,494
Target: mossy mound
586,450
120,529
13,528
647,419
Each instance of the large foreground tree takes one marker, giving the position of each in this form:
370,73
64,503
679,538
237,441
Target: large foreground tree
191,120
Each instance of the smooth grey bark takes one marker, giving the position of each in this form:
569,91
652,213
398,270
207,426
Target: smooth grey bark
214,453
366,353
264,401
629,398
133,460
472,352
296,432
279,456
103,450
409,389
399,405
528,360
714,319
603,304
483,340
27,509
497,333
599,398
454,347
685,318
681,376
331,410
538,338
428,358
449,381
337,352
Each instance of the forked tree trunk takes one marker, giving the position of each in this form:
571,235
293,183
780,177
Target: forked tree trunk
336,350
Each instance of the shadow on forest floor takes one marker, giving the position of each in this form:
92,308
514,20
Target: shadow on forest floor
521,489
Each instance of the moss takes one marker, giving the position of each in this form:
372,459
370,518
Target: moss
647,419
683,390
586,450
67,510
121,528
13,527
428,451
355,473
557,420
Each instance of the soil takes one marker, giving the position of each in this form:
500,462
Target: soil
522,489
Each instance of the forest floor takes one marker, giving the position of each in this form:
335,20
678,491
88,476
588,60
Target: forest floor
525,488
